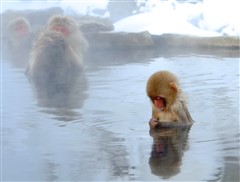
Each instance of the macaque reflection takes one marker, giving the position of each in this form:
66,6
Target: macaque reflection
168,102
70,94
58,52
168,148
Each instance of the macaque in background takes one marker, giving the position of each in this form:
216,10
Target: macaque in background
18,43
19,31
58,51
168,102
56,64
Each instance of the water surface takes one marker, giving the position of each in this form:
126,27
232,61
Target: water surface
100,132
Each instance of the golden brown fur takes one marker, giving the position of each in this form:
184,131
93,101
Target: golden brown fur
166,85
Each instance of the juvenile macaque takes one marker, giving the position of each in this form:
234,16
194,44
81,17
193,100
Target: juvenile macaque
58,51
19,32
168,102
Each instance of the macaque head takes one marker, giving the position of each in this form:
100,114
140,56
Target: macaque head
19,29
163,89
68,28
63,24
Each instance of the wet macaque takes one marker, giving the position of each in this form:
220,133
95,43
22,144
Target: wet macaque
19,31
58,51
168,102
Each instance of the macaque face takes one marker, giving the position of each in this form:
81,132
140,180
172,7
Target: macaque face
64,25
68,28
63,30
162,89
19,32
22,28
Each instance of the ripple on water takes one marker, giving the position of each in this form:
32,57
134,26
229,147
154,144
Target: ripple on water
106,136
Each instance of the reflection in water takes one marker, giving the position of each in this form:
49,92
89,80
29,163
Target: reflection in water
108,139
70,94
62,97
18,55
168,147
97,58
112,152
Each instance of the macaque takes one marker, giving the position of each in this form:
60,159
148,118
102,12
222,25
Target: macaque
58,51
18,37
168,102
19,32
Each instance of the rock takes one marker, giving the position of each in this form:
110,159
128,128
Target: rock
186,41
119,40
93,24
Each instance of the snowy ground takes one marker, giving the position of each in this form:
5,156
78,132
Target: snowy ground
207,18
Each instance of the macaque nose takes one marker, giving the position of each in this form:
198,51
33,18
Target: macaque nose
158,98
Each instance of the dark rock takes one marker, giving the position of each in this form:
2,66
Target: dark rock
119,40
187,41
93,24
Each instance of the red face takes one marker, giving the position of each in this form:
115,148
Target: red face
22,29
61,29
159,102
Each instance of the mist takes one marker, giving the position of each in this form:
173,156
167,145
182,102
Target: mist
74,105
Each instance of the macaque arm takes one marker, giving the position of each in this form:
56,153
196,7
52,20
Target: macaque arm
167,116
76,57
184,115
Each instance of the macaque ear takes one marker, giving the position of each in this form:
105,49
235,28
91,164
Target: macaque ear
173,87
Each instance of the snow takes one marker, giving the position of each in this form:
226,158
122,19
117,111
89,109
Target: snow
159,23
207,18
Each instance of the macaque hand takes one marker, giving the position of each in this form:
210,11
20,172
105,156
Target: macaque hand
153,123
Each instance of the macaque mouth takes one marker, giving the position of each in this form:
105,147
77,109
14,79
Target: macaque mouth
61,29
159,102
